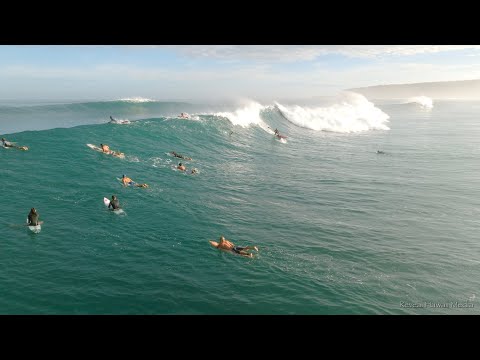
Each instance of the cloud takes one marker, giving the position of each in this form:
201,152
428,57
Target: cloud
247,79
292,53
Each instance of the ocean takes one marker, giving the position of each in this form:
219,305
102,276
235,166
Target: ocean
340,227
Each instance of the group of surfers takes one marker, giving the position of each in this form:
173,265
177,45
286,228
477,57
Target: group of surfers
223,244
182,167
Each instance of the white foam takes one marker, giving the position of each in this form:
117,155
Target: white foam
245,116
136,100
351,112
423,101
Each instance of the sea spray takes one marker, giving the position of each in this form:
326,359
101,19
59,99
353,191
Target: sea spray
351,112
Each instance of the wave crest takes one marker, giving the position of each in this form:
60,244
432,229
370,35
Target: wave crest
423,101
244,116
351,112
136,100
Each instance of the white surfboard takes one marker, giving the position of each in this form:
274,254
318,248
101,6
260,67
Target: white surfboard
35,229
120,122
118,211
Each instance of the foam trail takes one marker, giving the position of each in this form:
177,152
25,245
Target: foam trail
423,101
245,116
351,112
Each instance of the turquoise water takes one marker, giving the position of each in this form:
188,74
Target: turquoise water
340,228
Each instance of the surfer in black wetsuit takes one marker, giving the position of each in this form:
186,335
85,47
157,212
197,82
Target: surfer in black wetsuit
33,217
5,143
8,144
114,203
180,156
112,119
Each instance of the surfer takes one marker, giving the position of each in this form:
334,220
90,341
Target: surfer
225,244
8,144
180,156
33,217
277,134
114,203
127,181
181,167
106,148
380,152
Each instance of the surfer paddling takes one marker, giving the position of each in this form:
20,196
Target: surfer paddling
181,167
127,181
8,144
224,244
180,156
106,149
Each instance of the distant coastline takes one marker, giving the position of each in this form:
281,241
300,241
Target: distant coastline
447,90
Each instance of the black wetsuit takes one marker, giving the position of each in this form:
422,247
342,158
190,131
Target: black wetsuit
115,204
33,219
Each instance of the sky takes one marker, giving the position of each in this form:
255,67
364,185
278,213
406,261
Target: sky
197,72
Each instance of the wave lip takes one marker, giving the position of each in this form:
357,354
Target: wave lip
423,101
351,112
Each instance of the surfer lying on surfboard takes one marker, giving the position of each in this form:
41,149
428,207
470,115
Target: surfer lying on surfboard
106,149
115,121
224,244
127,181
8,144
180,156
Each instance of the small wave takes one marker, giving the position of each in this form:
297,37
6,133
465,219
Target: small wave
136,100
423,101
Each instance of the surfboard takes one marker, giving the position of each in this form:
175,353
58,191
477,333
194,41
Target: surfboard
96,148
117,211
120,122
35,229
